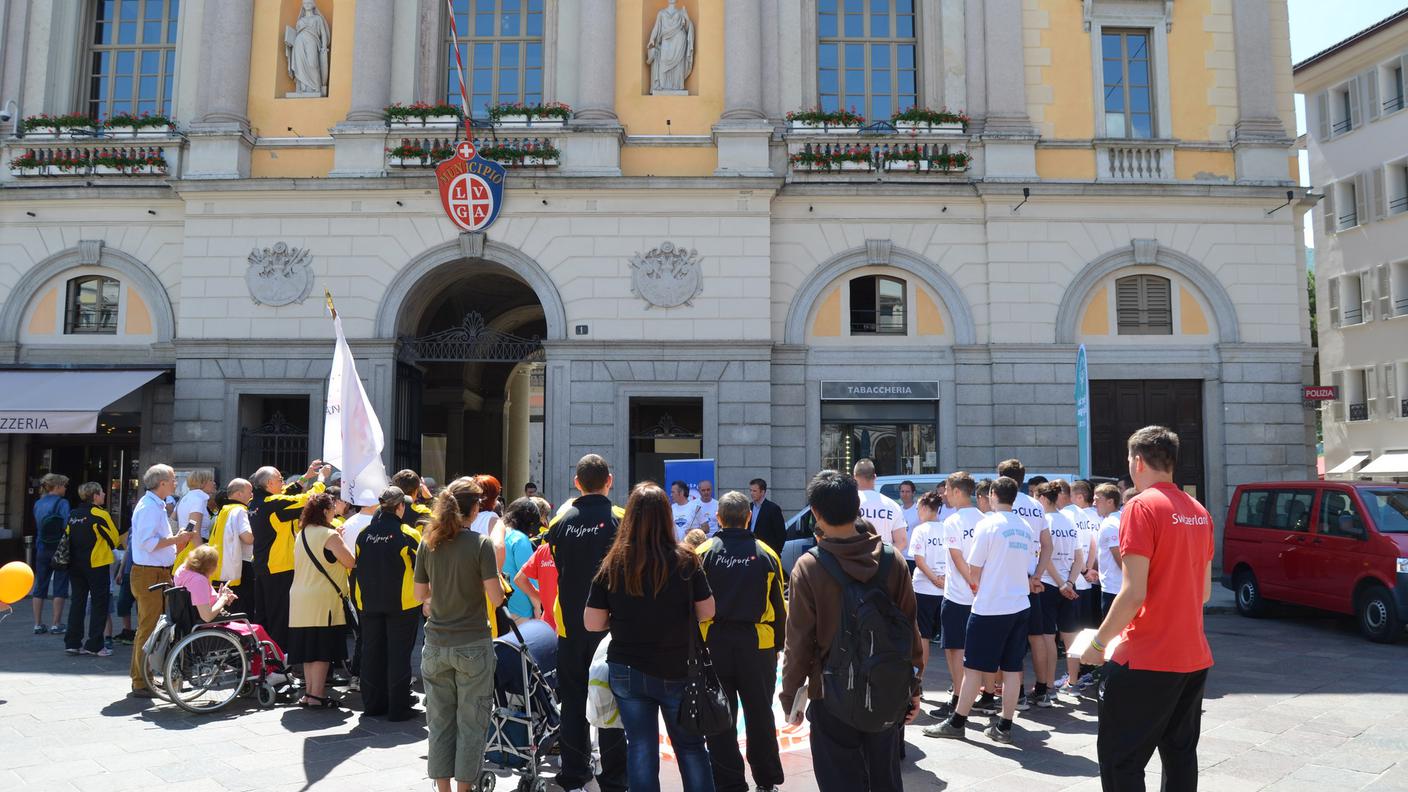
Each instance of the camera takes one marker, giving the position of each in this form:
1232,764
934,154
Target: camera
6,115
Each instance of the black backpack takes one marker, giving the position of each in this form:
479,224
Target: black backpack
52,527
866,677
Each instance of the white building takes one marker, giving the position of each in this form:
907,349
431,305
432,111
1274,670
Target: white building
684,280
1358,143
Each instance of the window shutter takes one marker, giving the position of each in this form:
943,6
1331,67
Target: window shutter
1390,404
1337,379
1144,305
1366,295
1378,193
1356,103
1384,291
1127,300
1322,116
1361,205
1371,92
1158,304
1327,210
1334,284
1371,377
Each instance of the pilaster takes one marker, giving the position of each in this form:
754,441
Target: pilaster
221,140
1260,144
743,131
1009,141
595,149
359,142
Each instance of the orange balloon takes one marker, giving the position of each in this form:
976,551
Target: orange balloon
16,580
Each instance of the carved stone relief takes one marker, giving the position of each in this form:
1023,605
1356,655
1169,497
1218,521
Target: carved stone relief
279,275
668,276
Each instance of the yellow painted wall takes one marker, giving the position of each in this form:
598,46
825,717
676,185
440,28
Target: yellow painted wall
1059,77
290,163
139,317
1293,165
45,319
929,319
1194,320
1096,321
1202,70
643,114
1193,165
827,323
669,161
1066,164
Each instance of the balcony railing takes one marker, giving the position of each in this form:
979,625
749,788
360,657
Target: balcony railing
1135,161
1353,316
878,152
1393,104
1341,127
117,158
1348,220
1359,412
1400,306
1398,204
537,151
1403,408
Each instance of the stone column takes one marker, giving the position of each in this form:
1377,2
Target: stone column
743,131
594,148
1260,143
220,138
359,142
1009,142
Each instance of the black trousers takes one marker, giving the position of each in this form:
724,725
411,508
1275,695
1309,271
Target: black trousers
387,641
273,605
89,591
847,760
1144,711
574,659
749,674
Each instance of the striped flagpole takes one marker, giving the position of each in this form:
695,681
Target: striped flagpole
459,70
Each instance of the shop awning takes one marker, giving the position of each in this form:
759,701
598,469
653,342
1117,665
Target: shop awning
62,401
1387,465
1354,461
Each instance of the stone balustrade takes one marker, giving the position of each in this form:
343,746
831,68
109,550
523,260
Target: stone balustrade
1134,160
66,160
877,153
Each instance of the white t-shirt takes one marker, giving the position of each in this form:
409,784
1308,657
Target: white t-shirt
687,517
1065,538
911,516
233,550
1002,545
1027,507
352,528
928,541
709,512
1111,576
1087,528
883,513
945,512
195,501
959,530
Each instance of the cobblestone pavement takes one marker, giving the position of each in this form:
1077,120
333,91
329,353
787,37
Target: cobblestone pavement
1296,702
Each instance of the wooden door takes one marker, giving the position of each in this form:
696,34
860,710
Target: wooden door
1120,407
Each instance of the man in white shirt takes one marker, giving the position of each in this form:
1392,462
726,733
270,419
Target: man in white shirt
708,507
236,537
880,511
1058,578
686,512
153,550
1082,512
926,546
194,506
999,558
909,506
946,510
1107,505
960,583
1026,507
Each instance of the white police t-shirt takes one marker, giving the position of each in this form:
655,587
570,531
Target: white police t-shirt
687,517
911,517
1087,527
1027,507
927,542
883,513
1065,538
709,514
1002,545
1111,576
959,530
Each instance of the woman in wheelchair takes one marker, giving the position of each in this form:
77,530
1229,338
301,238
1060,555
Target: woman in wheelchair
194,576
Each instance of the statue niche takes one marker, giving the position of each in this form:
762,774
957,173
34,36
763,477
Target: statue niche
670,51
306,46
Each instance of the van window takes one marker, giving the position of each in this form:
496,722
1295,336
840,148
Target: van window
1391,515
1251,509
1340,517
1290,510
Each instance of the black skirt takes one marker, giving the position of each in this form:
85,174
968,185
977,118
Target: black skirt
317,644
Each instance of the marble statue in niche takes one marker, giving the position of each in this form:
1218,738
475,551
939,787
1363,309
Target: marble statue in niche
306,46
670,51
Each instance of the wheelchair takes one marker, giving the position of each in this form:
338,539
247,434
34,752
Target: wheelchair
203,666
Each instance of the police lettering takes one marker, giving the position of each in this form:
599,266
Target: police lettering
877,514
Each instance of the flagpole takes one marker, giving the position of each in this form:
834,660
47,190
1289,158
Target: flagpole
459,70
331,308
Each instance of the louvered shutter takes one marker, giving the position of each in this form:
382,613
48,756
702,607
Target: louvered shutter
1127,316
1356,104
1322,116
1337,379
1366,295
1361,205
1327,210
1158,305
1334,286
1371,392
1371,92
1387,377
1378,194
1144,305
1384,291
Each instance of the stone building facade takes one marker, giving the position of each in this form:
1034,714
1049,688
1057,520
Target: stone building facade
681,278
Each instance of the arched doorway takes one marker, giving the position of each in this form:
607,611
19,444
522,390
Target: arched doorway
470,376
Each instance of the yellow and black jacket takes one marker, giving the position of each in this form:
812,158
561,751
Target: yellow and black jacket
91,538
386,563
579,536
274,521
419,516
746,578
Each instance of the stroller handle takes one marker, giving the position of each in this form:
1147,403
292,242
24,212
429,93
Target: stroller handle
501,613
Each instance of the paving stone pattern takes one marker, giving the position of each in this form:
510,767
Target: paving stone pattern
1296,702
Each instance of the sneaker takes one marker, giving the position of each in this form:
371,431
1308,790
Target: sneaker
354,685
944,729
987,704
1046,700
107,644
998,735
40,629
126,636
71,652
1062,682
1022,703
57,630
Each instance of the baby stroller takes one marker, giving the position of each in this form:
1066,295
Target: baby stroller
202,666
524,724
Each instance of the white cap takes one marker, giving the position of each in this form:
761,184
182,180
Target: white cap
365,496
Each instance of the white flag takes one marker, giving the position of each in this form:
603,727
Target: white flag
352,437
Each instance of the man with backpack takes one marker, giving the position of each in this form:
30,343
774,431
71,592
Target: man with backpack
852,640
50,580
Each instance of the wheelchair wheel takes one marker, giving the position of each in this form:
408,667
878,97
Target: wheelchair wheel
266,695
156,681
486,782
206,670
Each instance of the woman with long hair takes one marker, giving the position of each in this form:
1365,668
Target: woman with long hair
650,592
317,628
456,576
520,524
383,590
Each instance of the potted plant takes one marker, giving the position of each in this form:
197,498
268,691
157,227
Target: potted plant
151,162
423,114
922,119
529,154
144,125
825,121
954,161
854,158
553,115
108,163
907,158
67,163
406,155
27,164
849,158
45,126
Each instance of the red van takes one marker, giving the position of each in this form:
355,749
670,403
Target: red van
1337,546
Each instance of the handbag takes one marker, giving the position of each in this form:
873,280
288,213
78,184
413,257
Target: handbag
63,551
704,709
349,613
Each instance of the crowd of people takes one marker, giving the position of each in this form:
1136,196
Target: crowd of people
854,602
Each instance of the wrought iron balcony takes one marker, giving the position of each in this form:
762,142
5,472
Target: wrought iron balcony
1403,408
1359,412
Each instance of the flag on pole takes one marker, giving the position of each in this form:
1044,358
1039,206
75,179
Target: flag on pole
352,436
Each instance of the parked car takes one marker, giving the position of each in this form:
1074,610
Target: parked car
1336,546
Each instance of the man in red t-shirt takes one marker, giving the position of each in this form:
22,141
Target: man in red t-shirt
542,570
1152,694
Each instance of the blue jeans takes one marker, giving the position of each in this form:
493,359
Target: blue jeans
45,575
642,699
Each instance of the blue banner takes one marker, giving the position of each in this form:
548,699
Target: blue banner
1083,412
691,472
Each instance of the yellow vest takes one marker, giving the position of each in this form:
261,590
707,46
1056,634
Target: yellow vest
217,536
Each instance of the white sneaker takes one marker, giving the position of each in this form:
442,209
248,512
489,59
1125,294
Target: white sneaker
355,685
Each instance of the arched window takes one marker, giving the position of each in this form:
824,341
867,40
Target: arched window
91,307
501,42
867,56
878,306
1144,305
132,57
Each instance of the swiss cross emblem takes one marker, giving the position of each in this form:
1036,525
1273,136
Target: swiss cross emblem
471,187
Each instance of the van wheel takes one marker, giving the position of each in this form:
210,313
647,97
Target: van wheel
1378,616
1247,590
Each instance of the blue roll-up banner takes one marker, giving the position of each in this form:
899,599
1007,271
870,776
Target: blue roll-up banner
1083,412
691,472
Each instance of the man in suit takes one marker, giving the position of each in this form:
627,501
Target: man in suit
767,522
